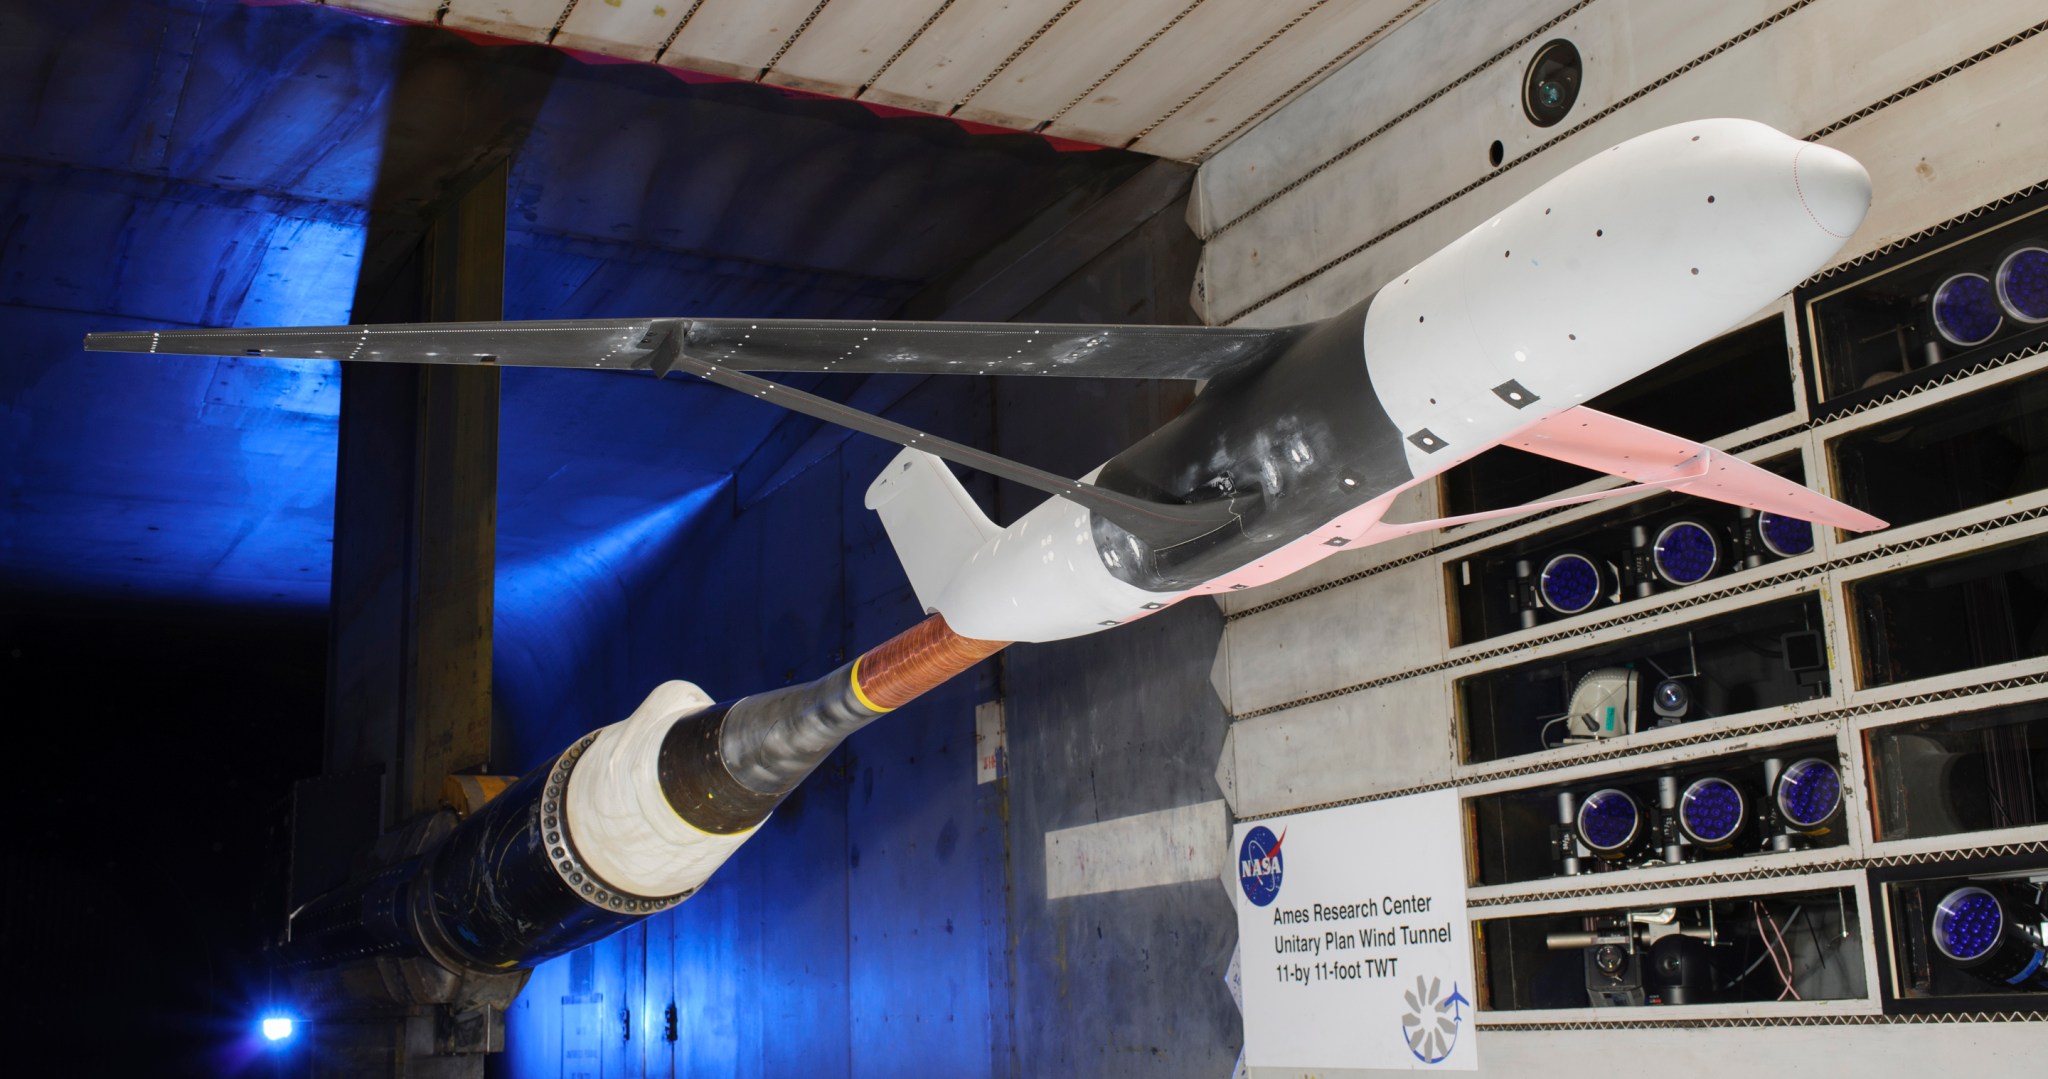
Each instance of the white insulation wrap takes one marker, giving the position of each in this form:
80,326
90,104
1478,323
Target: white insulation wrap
618,818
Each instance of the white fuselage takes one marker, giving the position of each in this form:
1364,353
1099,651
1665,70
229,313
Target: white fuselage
1610,269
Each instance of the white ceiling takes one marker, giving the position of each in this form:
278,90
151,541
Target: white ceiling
1173,78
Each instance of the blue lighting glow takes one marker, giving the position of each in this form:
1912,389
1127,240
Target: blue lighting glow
1609,820
2023,284
1570,583
1965,310
1809,792
1686,553
1967,923
1711,811
1784,536
277,1027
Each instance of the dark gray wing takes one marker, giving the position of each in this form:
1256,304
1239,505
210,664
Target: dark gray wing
927,348
721,350
1161,524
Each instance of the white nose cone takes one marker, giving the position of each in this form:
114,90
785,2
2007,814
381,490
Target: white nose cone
1619,263
1834,188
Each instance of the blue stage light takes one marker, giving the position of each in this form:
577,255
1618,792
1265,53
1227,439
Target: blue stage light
1965,310
277,1027
1967,923
1809,794
2023,284
1994,935
1609,821
1570,583
1686,552
1712,811
1784,536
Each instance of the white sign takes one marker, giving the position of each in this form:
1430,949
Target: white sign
1351,922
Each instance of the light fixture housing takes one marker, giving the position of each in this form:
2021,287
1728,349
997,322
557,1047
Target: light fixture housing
2022,284
1785,537
1993,934
1965,310
1574,583
1609,822
1808,794
1713,812
1686,552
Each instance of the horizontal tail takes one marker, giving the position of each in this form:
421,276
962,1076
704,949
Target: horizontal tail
1604,443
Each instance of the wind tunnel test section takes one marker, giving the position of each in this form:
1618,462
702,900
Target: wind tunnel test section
1298,447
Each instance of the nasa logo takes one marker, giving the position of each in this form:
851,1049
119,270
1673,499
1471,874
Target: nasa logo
1258,865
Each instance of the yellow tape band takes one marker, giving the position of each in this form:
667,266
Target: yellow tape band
854,678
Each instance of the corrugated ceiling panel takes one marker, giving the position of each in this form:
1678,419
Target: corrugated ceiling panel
520,20
1086,44
1213,38
633,29
963,48
739,38
1309,50
850,42
416,10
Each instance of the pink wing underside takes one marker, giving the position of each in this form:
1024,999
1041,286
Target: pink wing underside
1610,444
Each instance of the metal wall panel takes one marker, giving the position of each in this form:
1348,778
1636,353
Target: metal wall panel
1349,222
520,20
1308,50
850,43
1086,44
740,38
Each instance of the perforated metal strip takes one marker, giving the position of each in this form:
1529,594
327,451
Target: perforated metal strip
1815,719
1308,79
1125,62
1687,599
1773,1021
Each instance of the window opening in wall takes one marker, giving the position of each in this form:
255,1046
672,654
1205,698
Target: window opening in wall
1731,383
1933,618
1787,947
1969,940
1659,544
1758,657
1922,313
1984,447
1736,805
1975,772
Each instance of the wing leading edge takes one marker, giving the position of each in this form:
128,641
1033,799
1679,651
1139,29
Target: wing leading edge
809,345
722,351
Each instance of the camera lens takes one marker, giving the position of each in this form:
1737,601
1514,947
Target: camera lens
1670,698
1551,85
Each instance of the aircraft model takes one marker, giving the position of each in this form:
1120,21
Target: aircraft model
1304,435
1297,447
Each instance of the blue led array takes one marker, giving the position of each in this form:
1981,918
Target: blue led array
1711,810
1608,820
1965,309
2023,284
1686,553
1809,792
1967,923
1784,536
1570,583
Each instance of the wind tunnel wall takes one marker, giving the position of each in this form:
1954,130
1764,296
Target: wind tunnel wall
861,930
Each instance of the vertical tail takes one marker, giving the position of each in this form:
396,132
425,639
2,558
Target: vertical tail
931,519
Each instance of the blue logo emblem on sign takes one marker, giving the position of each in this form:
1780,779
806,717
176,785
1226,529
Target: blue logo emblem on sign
1258,865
